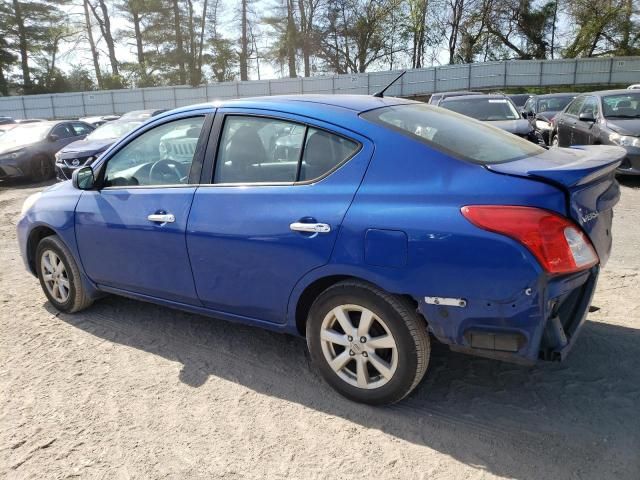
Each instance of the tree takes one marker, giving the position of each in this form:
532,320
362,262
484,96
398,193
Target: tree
92,44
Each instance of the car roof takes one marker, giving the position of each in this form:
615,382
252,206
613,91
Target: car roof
483,96
328,108
604,93
556,95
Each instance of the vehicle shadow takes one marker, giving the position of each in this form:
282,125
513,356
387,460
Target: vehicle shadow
577,419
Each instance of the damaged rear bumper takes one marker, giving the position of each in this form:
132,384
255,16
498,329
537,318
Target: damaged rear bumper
541,322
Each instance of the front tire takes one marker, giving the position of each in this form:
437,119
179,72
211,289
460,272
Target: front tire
43,168
370,346
59,276
555,143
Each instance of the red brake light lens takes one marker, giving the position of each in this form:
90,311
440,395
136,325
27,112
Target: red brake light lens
558,243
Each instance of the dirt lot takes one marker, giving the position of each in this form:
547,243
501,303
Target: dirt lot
131,390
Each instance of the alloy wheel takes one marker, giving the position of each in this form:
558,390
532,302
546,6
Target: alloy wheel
54,275
358,346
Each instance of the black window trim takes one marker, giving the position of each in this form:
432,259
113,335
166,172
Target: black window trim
211,155
198,156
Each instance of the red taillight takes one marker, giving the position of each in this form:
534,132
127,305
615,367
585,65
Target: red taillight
558,244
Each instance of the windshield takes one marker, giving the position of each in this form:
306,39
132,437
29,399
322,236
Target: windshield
554,104
485,109
24,135
625,105
454,134
112,130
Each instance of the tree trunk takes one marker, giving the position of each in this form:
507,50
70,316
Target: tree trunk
291,40
201,46
24,56
92,44
4,87
136,26
192,47
109,39
179,45
244,44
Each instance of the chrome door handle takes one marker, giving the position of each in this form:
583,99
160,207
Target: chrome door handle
310,227
162,217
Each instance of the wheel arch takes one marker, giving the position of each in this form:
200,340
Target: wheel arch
305,294
35,236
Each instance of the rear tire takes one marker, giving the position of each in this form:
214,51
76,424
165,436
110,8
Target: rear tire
370,346
59,276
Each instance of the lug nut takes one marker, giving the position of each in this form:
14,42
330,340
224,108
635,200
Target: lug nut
350,338
363,339
365,354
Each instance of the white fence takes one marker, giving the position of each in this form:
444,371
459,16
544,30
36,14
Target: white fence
488,76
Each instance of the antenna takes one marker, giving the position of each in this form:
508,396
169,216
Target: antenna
380,94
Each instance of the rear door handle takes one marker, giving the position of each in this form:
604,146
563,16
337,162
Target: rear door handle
310,227
162,217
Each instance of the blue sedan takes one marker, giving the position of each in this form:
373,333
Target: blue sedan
371,226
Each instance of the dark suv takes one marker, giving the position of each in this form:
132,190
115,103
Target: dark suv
610,117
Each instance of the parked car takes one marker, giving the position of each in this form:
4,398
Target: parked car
144,114
496,110
519,99
28,150
610,117
6,120
397,221
634,87
436,98
541,110
29,120
96,121
85,151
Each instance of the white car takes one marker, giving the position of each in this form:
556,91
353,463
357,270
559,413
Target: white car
634,87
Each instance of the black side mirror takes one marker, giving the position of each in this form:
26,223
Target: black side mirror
587,117
83,178
53,137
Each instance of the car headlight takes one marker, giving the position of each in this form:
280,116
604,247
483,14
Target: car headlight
12,155
624,140
58,155
543,125
29,202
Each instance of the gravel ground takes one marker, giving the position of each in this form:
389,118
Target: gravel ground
131,390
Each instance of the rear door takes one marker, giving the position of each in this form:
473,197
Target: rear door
272,212
131,232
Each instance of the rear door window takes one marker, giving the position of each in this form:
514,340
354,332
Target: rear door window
271,150
81,128
323,152
63,131
457,135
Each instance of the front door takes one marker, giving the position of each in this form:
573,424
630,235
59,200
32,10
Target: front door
131,232
583,130
280,190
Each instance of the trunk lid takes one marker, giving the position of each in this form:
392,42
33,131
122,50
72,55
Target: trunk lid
587,175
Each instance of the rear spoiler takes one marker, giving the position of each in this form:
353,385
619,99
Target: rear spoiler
570,167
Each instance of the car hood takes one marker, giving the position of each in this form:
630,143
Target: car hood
86,147
519,127
625,126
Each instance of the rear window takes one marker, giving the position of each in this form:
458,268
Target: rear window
487,109
454,134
